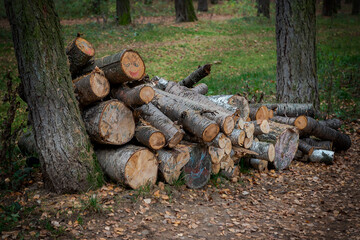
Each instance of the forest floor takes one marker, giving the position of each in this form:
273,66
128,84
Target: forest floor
306,201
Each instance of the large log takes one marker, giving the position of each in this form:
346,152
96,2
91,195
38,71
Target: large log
91,87
172,161
324,156
312,127
109,122
326,145
131,165
79,52
285,139
265,151
196,76
289,109
121,67
232,103
149,136
173,133
134,97
305,147
225,121
192,121
198,170
201,88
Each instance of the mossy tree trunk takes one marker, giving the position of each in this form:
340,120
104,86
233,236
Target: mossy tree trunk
65,152
185,11
123,12
296,53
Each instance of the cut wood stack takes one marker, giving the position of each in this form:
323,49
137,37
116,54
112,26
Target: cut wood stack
143,129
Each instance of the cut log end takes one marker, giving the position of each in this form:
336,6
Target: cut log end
301,122
141,169
147,94
85,46
100,85
228,125
132,65
157,141
210,132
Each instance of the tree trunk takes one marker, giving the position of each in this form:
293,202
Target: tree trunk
123,12
173,133
266,151
312,127
193,122
109,122
263,7
64,148
185,11
121,67
285,139
296,55
202,5
355,7
91,87
232,103
131,165
79,52
149,136
196,76
201,88
329,7
172,161
198,170
134,97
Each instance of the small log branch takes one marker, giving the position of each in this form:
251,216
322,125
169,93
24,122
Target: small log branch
91,87
332,123
264,150
289,109
259,113
131,165
201,88
149,136
237,137
311,126
257,164
232,103
134,97
324,156
248,142
173,133
305,147
109,122
262,128
79,52
284,120
326,145
196,76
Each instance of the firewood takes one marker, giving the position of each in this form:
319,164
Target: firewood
109,122
258,164
305,147
248,141
219,141
261,128
227,163
131,165
228,146
79,52
237,137
134,97
240,123
324,156
259,113
91,87
300,156
198,170
119,68
309,125
196,76
149,136
332,123
231,174
192,121
326,145
265,151
289,109
172,161
285,139
224,120
201,88
249,129
215,168
232,103
216,154
173,133
240,152
284,120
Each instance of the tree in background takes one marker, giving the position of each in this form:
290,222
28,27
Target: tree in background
296,56
355,7
214,1
65,151
330,7
123,12
263,7
202,5
185,11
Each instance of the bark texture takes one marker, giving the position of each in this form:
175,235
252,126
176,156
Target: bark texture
64,148
266,151
196,76
324,156
233,103
201,88
296,53
184,10
134,97
79,52
326,145
123,14
149,136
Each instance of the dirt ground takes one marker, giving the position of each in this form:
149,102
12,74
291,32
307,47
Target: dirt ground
307,201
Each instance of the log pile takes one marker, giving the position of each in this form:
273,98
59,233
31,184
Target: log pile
144,130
